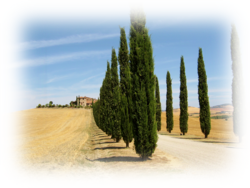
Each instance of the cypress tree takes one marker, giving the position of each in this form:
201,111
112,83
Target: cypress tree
143,87
169,104
205,121
236,83
183,99
105,105
115,102
102,109
125,90
158,105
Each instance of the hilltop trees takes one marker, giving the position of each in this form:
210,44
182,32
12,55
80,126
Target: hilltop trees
125,90
169,104
183,99
142,80
115,100
205,121
158,104
236,83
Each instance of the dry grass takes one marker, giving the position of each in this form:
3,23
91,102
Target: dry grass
221,130
63,139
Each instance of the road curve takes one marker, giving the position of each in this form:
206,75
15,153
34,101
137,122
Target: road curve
198,156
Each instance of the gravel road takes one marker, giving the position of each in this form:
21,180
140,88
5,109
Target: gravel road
198,156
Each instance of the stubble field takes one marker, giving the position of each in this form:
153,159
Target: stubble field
68,139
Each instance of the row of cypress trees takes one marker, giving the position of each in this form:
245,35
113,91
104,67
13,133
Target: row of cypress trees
238,94
131,109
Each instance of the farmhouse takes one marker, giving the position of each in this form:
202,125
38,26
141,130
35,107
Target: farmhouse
84,101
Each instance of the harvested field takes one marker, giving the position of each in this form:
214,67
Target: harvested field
66,139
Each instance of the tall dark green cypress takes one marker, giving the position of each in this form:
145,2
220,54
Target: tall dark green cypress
96,112
158,104
105,104
236,84
102,109
169,104
125,90
183,99
115,102
205,121
143,86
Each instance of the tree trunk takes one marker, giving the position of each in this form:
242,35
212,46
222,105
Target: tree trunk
205,136
144,158
169,131
183,134
127,144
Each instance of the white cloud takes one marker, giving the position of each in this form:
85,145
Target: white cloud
57,59
58,78
67,40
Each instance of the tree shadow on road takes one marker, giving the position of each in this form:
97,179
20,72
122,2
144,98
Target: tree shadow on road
119,159
104,148
235,147
188,138
106,143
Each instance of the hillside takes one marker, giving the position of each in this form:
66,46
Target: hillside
223,109
222,106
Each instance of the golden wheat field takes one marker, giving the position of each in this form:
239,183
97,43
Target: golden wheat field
64,147
221,129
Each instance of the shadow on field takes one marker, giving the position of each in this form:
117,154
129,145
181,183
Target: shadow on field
110,148
218,142
102,136
188,138
105,143
117,159
103,139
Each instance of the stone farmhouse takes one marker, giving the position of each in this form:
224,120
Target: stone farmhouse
84,101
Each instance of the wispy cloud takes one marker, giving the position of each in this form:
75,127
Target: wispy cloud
58,78
82,85
66,40
58,59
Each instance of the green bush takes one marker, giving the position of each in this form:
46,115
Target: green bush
221,117
39,106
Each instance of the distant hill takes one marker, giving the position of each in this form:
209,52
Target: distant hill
222,106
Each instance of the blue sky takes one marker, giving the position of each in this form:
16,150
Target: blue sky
59,60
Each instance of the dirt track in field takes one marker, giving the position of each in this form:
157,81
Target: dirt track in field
68,139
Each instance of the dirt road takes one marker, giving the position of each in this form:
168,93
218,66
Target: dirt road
205,163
